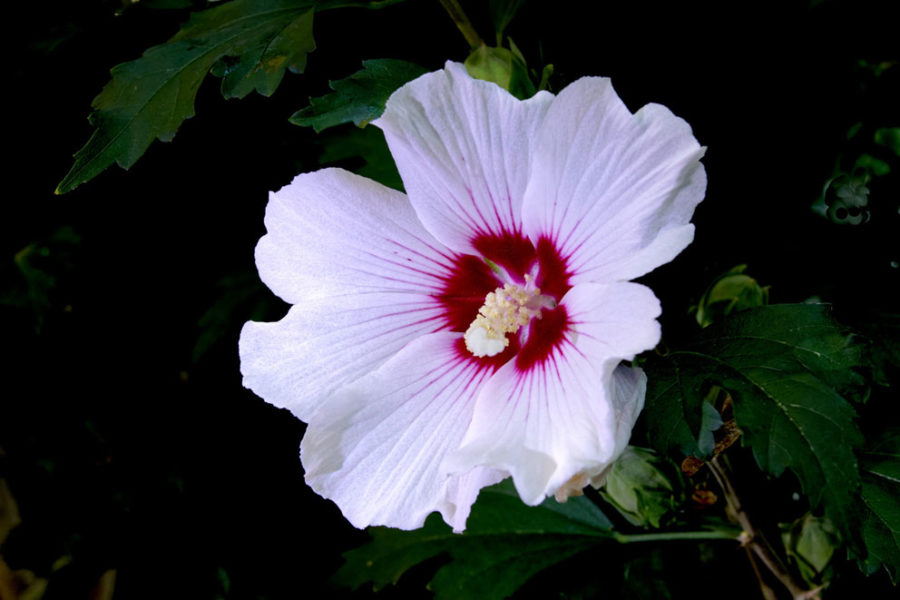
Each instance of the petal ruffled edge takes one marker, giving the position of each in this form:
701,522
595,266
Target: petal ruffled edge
463,148
331,232
615,191
363,275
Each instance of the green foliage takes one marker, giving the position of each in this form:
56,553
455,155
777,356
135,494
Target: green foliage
248,43
810,543
165,4
33,274
871,164
346,147
880,466
505,544
644,578
889,137
261,66
784,366
730,292
638,489
149,98
502,13
710,422
845,195
240,295
504,67
852,191
359,98
882,330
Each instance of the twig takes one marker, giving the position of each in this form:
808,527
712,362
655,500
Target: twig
462,23
755,541
767,592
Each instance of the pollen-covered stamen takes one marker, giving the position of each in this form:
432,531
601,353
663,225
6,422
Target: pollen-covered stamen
505,311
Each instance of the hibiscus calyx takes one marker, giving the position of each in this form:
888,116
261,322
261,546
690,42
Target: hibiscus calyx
505,311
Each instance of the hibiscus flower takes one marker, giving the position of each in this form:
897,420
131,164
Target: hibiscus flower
479,326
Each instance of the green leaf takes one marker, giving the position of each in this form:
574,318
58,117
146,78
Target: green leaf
637,488
852,191
730,292
874,166
359,98
150,97
504,545
500,510
249,43
710,422
783,366
497,568
674,405
810,543
889,137
854,129
882,330
881,499
34,273
240,295
262,67
346,147
502,13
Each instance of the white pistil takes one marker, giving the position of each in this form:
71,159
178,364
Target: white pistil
505,310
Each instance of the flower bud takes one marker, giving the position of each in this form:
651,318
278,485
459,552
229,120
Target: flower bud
504,67
637,488
731,292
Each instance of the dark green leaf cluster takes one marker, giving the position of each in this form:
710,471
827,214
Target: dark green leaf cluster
505,544
249,44
781,365
35,272
784,380
880,465
867,158
359,98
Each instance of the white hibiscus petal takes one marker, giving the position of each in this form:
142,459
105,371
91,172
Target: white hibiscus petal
563,421
629,392
462,491
377,446
630,389
361,273
615,191
332,232
463,148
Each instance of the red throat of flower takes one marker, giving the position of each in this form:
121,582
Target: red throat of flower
507,301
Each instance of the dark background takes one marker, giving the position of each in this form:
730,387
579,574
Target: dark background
127,439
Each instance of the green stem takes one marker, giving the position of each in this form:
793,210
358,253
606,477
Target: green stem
462,23
715,534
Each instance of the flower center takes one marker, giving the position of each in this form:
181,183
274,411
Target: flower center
505,311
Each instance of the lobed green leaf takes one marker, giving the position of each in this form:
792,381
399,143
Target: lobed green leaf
784,366
504,545
359,98
150,97
250,44
881,501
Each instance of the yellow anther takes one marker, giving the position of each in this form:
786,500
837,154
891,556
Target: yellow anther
505,310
